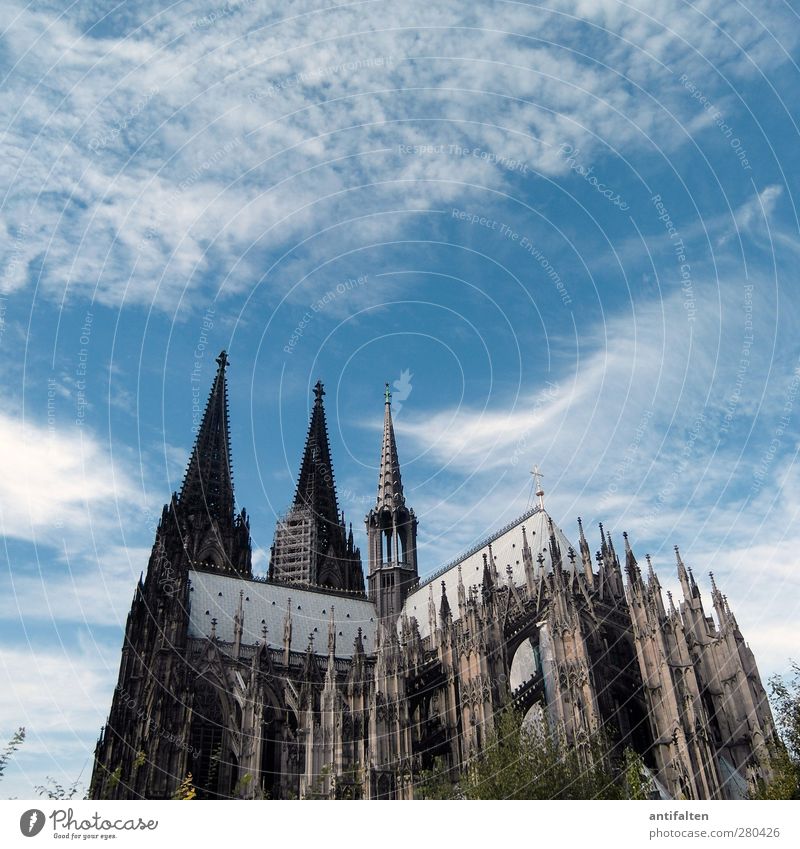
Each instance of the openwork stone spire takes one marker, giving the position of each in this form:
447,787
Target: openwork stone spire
391,530
390,486
208,484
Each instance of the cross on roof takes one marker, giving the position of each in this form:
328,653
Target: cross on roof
537,476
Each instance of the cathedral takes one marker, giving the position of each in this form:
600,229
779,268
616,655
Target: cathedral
319,682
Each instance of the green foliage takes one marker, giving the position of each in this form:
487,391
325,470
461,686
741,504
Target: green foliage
114,779
637,784
786,700
241,788
523,762
17,738
785,761
185,791
439,782
51,789
785,780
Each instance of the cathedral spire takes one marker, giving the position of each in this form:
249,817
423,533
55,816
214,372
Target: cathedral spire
315,485
391,529
311,540
390,486
208,484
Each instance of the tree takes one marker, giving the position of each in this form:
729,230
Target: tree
17,738
638,784
785,762
525,762
439,782
51,789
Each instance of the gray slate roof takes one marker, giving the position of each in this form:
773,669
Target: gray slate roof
507,550
217,597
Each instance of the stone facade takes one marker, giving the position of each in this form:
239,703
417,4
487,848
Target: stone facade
306,684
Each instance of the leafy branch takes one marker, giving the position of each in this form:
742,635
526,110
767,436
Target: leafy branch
13,744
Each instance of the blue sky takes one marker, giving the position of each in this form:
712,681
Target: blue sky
567,235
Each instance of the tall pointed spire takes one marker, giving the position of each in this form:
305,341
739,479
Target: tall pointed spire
208,484
390,486
311,541
391,529
315,484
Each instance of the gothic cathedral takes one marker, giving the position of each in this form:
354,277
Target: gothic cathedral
310,683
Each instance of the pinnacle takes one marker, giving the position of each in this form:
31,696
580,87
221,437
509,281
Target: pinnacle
631,566
444,608
650,571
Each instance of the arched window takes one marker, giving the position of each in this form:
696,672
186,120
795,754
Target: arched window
206,739
271,735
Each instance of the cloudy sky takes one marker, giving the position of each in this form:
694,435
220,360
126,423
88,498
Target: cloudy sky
566,233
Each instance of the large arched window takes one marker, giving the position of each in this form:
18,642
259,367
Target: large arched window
206,739
271,736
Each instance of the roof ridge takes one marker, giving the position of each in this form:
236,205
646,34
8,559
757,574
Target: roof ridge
290,585
482,544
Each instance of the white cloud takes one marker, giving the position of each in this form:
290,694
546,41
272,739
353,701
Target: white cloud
315,107
64,592
33,684
637,437
56,481
758,210
203,175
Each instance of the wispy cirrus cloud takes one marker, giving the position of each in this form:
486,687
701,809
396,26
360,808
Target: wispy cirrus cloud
170,156
147,148
648,434
758,209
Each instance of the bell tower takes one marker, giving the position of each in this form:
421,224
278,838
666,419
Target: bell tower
142,752
391,530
